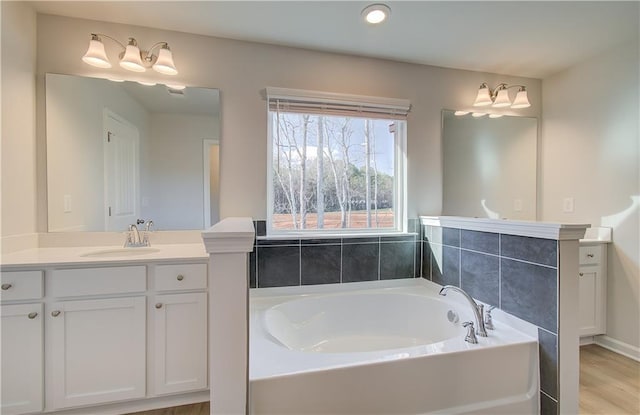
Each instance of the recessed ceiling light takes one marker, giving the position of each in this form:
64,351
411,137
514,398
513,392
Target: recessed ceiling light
376,13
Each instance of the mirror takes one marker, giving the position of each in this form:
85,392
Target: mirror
121,151
489,166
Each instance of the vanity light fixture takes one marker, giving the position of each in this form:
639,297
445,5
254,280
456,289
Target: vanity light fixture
376,13
460,113
495,115
145,83
499,96
176,87
131,57
478,114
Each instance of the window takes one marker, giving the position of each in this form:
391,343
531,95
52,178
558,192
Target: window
336,163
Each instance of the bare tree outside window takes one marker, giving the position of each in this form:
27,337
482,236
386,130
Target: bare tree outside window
332,172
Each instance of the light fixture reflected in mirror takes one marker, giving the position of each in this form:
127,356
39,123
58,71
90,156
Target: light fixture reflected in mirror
499,96
131,57
478,114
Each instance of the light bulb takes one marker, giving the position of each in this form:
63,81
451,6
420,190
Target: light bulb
376,13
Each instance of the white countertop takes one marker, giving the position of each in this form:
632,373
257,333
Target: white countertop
41,257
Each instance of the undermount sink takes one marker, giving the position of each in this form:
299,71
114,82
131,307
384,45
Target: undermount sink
117,252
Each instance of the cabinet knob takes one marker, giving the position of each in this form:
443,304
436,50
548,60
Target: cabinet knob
32,315
55,313
589,255
5,287
159,305
581,274
180,277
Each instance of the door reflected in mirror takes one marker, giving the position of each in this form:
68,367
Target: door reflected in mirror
489,166
120,151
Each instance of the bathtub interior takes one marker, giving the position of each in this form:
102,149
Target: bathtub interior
343,323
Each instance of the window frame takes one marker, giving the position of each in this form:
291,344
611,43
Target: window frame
400,171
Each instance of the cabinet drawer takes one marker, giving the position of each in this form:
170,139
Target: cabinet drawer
590,255
21,285
181,277
98,281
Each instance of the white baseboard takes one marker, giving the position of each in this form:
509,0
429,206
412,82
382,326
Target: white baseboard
619,347
587,340
140,405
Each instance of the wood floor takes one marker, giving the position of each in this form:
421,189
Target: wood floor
609,382
609,385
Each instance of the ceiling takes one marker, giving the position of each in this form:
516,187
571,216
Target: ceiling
532,39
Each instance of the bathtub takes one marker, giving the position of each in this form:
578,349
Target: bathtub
384,347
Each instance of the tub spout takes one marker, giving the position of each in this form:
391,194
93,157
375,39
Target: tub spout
477,309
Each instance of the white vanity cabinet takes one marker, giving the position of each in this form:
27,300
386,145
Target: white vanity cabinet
180,328
21,342
96,347
593,289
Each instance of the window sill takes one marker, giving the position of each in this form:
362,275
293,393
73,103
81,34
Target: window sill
306,236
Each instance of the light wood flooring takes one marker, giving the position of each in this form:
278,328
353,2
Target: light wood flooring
609,385
609,382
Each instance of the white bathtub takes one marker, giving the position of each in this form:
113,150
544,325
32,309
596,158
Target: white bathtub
383,347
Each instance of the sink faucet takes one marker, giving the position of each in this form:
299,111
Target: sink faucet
477,309
133,238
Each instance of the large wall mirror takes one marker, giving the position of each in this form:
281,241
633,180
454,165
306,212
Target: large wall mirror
121,151
489,166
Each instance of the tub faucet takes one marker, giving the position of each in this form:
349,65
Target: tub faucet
477,309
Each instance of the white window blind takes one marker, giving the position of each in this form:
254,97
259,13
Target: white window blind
316,102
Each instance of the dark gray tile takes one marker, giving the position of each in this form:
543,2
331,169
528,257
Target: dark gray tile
548,349
278,266
396,260
480,276
401,238
252,268
445,265
260,227
358,240
323,241
360,262
425,261
320,264
547,405
540,251
278,242
480,241
451,236
529,292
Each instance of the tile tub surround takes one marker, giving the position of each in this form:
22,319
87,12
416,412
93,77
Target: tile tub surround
517,274
329,260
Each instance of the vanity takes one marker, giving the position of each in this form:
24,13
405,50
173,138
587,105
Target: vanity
100,325
593,283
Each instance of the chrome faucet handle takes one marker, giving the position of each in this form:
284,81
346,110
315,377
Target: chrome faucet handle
148,225
471,333
488,320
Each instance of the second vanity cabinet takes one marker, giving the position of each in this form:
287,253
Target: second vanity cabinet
593,289
96,347
104,334
180,328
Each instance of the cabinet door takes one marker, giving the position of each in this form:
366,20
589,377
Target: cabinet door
588,301
22,359
97,351
180,323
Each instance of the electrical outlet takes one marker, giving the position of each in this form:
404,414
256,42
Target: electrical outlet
567,205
